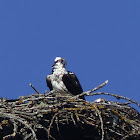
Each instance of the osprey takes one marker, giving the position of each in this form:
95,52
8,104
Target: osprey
62,80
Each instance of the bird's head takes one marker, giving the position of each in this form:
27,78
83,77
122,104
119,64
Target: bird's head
59,63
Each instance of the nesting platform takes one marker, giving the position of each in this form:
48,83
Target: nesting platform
55,117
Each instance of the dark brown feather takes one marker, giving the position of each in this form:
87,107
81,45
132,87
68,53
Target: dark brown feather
72,84
49,84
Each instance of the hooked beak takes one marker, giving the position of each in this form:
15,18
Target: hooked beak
53,66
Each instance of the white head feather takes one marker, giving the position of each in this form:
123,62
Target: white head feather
59,62
57,58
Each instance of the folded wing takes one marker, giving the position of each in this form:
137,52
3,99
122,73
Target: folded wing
72,84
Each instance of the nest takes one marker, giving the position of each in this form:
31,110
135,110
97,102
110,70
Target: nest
53,116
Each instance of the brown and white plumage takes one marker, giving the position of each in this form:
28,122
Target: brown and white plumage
62,80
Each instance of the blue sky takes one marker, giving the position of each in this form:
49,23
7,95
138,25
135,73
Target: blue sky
99,39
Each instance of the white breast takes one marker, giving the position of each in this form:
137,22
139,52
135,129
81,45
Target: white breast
56,80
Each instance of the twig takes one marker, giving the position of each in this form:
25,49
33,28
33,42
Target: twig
101,120
114,132
73,118
117,96
89,92
14,131
57,123
52,120
96,88
34,88
10,116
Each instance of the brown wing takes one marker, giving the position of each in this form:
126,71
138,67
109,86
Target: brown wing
49,84
72,84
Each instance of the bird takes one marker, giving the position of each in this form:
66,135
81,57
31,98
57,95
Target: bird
64,81
99,100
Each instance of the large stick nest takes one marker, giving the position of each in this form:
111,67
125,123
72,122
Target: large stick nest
53,116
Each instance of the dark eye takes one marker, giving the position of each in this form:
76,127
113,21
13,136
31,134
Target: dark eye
62,61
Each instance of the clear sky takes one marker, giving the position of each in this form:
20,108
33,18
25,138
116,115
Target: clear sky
99,39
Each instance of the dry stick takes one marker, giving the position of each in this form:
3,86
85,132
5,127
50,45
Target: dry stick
117,96
88,92
77,117
101,120
111,130
73,119
10,116
34,88
14,131
57,125
98,93
49,129
96,88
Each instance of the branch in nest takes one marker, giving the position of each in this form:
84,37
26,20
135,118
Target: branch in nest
40,116
34,89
